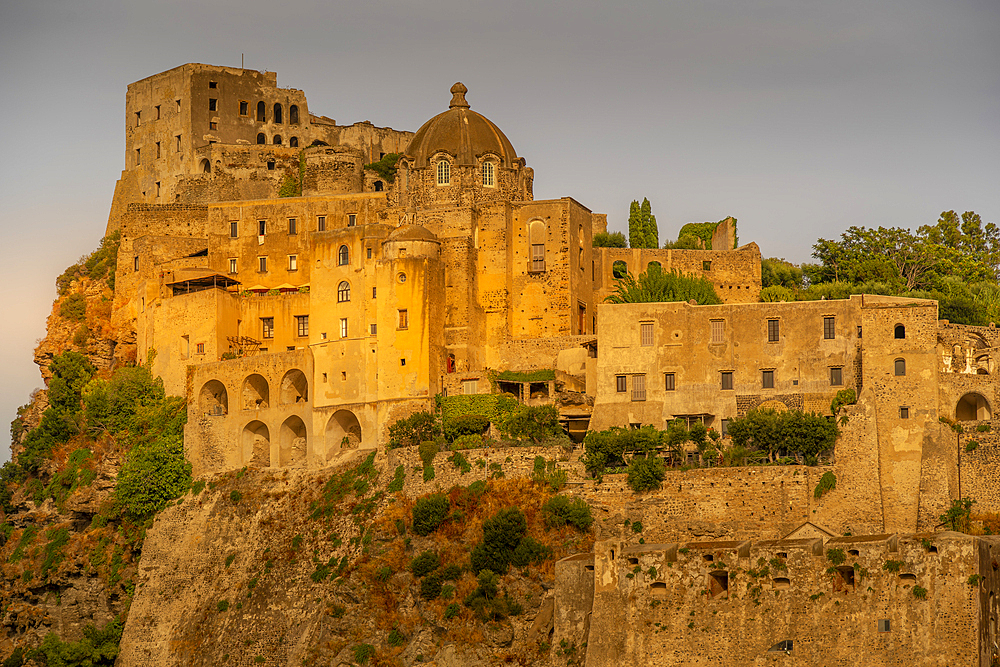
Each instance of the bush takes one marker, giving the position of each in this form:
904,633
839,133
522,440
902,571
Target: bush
430,586
396,484
609,240
222,605
74,307
843,397
465,425
645,473
396,638
547,474
501,536
827,482
415,429
428,449
561,510
528,551
429,512
425,563
451,611
97,648
534,423
468,442
776,293
363,653
607,449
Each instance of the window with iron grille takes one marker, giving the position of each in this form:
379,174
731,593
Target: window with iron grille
669,383
836,377
444,173
267,327
302,325
718,326
772,331
199,348
373,328
404,319
621,383
829,328
646,329
727,379
538,257
488,175
767,379
321,223
638,387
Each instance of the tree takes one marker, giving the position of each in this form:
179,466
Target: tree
609,240
650,233
636,231
780,272
655,285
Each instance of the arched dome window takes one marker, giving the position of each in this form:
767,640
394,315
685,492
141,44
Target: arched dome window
343,256
343,291
444,172
489,175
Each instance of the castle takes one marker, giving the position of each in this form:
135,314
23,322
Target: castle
304,292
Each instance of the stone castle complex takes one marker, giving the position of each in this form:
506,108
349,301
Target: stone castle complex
302,325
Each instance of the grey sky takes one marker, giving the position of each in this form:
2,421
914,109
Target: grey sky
799,118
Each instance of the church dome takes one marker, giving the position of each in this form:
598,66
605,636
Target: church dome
461,132
412,233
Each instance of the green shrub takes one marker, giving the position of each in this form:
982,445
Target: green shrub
429,512
843,397
645,473
396,485
383,574
827,482
546,473
396,638
386,167
486,603
836,556
197,487
982,428
465,425
776,293
229,559
451,611
531,551
502,534
97,648
27,537
460,462
533,423
74,307
222,605
58,539
235,496
428,449
430,586
425,563
468,442
920,592
451,572
428,473
971,445
413,430
561,510
492,406
363,653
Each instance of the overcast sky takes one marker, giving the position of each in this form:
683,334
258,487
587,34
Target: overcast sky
799,118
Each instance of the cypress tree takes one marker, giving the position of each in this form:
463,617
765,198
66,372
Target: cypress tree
636,232
650,233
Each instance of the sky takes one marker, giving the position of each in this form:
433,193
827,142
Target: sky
799,118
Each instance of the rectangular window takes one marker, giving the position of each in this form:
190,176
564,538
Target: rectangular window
178,106
718,327
538,257
157,188
244,108
292,224
772,331
138,117
232,265
373,292
638,387
404,319
212,125
884,625
262,264
829,328
904,412
373,328
352,219
470,386
199,348
158,154
267,327
213,104
157,107
369,253
621,384
767,379
138,156
136,263
670,381
343,327
836,377
178,139
581,259
233,229
293,262
706,265
321,223
302,325
727,379
261,227
213,84
646,334
725,427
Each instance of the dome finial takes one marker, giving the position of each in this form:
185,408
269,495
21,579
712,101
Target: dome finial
458,92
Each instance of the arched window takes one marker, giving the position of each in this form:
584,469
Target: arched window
294,142
900,366
619,269
293,115
343,291
444,172
343,256
489,177
277,113
277,140
536,237
261,139
206,166
261,112
900,331
654,266
378,186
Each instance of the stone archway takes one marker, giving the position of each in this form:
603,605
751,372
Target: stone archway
294,388
213,399
973,407
343,431
292,443
256,393
255,445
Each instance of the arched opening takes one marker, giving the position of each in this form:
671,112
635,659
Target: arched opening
293,115
213,399
900,367
206,166
261,139
378,186
451,363
900,331
973,407
343,256
277,113
255,393
293,142
294,388
343,431
255,445
277,140
536,237
261,112
619,269
784,646
654,267
292,443
782,583
658,590
343,292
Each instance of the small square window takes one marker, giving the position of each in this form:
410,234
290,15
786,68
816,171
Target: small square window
158,153
138,118
670,380
157,188
262,264
244,108
767,379
212,125
321,223
213,84
621,383
199,348
213,104
904,412
772,331
233,229
884,625
836,377
292,224
646,334
402,362
404,319
270,165
293,262
900,367
267,327
302,325
706,265
232,265
727,379
829,328
178,106
352,219
470,386
138,156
